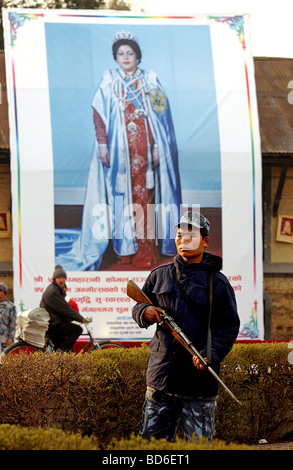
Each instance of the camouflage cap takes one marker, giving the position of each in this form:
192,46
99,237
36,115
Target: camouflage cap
195,219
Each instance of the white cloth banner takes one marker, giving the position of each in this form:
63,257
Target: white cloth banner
198,67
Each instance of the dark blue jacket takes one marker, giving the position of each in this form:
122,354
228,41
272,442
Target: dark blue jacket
53,300
170,366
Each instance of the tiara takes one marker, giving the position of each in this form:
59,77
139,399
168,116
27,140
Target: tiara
124,35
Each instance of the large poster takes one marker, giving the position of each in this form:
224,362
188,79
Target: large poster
118,124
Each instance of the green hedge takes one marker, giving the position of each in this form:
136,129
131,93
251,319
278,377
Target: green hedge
101,394
21,438
138,443
261,376
14,437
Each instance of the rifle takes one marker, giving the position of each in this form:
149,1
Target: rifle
135,293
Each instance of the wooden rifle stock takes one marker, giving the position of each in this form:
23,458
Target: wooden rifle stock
135,293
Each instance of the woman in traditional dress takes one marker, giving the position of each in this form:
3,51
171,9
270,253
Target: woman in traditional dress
133,192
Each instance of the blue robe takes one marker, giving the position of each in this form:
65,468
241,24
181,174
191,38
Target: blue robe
107,213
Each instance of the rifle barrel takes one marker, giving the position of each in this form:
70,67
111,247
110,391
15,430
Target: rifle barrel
223,385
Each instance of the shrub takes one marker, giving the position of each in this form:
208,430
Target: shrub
20,438
138,443
13,437
101,394
261,377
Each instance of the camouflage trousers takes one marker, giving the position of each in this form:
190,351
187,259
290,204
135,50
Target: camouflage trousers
162,412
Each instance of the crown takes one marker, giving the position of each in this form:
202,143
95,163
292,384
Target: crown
124,35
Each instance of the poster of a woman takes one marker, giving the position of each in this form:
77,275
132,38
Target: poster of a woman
134,166
151,112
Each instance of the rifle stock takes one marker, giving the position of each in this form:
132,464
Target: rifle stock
135,293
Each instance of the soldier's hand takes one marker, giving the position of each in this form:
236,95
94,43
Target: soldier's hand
198,364
152,315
